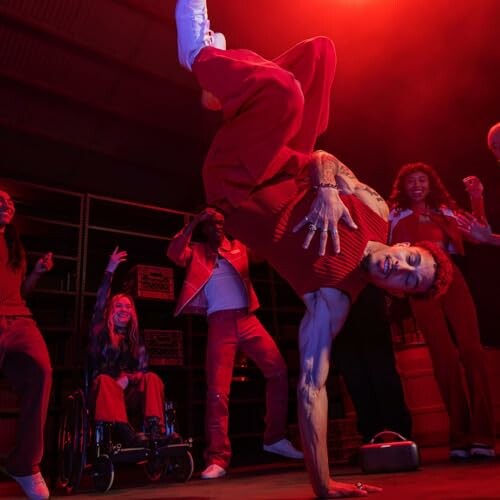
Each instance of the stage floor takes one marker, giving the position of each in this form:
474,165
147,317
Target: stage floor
436,480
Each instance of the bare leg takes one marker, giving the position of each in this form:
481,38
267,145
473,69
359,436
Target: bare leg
326,312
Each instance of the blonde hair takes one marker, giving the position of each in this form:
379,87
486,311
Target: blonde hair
133,325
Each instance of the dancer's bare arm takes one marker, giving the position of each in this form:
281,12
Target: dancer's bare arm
329,176
349,183
326,312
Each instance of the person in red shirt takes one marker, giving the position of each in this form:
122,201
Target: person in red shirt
422,208
24,358
217,285
262,173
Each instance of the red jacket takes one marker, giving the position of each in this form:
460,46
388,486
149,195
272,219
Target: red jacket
199,259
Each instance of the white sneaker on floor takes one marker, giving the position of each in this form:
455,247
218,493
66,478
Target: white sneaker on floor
193,31
284,448
479,450
213,471
459,454
34,486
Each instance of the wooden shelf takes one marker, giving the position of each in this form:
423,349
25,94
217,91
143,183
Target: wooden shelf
84,229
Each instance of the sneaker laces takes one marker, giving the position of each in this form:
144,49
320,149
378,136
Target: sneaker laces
208,37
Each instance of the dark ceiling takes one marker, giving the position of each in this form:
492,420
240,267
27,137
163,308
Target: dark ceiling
92,97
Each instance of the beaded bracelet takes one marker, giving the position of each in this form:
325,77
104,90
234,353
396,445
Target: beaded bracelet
326,185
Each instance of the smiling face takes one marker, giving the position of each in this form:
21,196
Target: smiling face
122,311
401,269
7,209
416,186
213,229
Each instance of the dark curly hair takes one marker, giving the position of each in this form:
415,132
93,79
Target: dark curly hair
444,270
438,194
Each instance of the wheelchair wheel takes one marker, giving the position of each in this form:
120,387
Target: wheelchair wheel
155,468
72,442
182,467
103,473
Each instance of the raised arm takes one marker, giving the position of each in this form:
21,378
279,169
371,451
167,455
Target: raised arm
43,265
179,250
97,324
475,189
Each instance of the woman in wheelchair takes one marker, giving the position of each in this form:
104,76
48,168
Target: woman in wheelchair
118,361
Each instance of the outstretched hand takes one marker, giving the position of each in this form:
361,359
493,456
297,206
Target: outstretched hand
44,264
323,216
473,228
347,490
116,258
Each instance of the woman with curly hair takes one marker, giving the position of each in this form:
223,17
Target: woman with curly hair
119,363
422,209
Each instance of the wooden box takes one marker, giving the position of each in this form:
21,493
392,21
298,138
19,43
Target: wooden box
164,347
151,282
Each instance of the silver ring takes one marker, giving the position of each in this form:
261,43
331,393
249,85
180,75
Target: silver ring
334,231
324,230
313,227
360,486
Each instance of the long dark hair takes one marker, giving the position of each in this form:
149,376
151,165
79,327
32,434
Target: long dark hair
15,248
438,194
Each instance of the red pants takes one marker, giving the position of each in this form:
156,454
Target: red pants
111,401
471,415
229,331
273,114
25,362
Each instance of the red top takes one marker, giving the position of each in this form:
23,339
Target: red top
264,223
437,226
11,301
200,260
412,229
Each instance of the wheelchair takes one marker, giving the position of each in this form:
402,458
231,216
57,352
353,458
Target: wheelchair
88,447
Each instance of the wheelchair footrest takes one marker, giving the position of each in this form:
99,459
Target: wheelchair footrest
173,450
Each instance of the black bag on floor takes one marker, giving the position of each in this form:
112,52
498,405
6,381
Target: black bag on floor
394,455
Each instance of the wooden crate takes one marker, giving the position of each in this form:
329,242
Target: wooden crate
165,347
151,282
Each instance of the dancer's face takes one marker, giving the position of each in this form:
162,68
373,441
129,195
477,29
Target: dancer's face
213,228
401,269
122,312
416,186
7,208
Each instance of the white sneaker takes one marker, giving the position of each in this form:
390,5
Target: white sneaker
193,31
33,486
213,471
284,448
459,454
479,450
